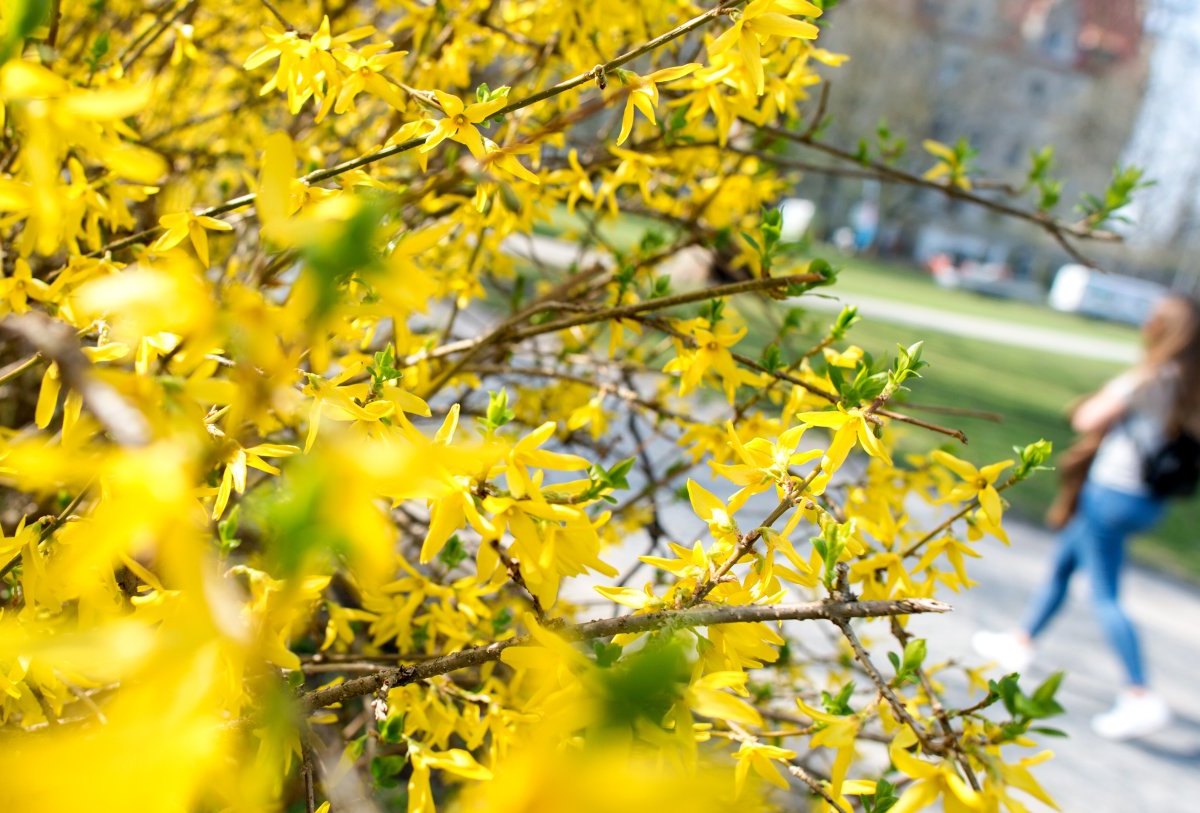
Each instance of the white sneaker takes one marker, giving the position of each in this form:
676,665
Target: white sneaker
1136,714
1009,650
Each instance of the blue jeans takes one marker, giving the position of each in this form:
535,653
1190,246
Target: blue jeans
1095,539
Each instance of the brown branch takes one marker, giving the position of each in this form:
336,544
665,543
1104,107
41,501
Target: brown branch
56,341
939,711
278,15
308,772
513,568
613,314
703,616
898,707
884,172
17,367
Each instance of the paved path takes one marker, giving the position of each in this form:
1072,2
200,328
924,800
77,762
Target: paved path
980,327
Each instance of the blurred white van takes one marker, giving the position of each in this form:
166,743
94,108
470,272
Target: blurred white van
1079,289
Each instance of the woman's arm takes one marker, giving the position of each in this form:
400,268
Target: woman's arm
1102,410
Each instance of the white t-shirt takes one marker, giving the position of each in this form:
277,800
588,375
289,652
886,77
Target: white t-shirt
1142,430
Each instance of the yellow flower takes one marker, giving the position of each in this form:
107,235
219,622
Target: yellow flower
977,484
185,224
715,514
307,68
643,94
761,758
459,122
848,425
931,781
762,462
711,352
233,478
366,69
505,158
706,697
17,290
575,180
765,18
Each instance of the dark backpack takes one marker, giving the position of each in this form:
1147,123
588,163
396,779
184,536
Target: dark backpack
1173,470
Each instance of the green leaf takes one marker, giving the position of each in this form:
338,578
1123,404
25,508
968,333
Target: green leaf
385,770
392,729
642,687
772,357
606,654
845,320
502,621
882,800
498,412
453,554
1033,458
227,530
914,654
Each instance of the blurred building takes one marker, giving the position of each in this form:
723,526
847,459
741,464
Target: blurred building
1166,141
1011,76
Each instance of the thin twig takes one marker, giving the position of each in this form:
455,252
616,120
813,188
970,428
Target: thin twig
939,711
702,616
57,342
278,15
885,172
308,771
17,367
841,593
614,313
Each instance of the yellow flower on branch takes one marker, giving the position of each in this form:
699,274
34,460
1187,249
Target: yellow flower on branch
711,352
765,18
932,780
643,94
761,758
953,162
977,484
460,122
18,289
366,69
185,224
849,425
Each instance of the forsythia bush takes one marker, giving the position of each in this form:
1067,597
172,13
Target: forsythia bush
322,486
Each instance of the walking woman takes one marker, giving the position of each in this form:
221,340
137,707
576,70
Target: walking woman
1127,422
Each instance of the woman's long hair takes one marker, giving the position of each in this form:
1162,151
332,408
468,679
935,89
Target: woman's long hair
1172,337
